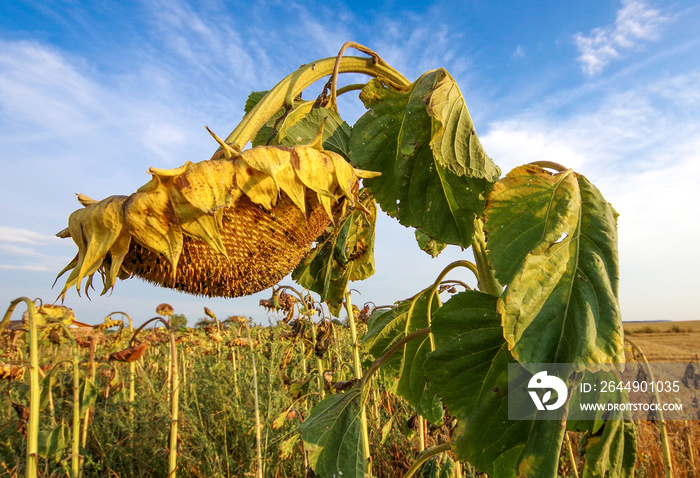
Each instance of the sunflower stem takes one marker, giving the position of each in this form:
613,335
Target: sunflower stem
75,434
258,438
487,278
291,86
174,404
32,456
132,365
358,375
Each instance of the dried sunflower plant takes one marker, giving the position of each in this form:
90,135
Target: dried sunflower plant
304,200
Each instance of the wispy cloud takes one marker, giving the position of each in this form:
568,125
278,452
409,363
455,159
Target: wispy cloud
24,236
636,22
24,249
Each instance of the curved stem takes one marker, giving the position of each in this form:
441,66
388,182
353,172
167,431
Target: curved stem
336,67
32,456
551,165
296,292
445,271
359,375
258,437
487,278
154,319
349,88
456,282
291,86
425,456
387,355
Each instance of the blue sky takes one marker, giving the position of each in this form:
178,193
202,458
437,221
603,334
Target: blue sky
93,93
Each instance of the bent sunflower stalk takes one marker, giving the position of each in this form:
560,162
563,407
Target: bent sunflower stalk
242,220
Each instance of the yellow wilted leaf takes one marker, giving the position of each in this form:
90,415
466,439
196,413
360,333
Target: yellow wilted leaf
315,169
259,187
116,256
268,160
293,117
150,218
94,229
289,183
208,185
194,222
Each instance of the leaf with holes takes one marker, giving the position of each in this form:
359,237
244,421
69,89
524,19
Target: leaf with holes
403,372
612,452
428,180
552,240
336,132
347,254
332,436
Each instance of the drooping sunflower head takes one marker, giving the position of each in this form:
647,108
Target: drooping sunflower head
229,226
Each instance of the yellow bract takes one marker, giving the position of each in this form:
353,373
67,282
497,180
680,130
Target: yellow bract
237,222
48,314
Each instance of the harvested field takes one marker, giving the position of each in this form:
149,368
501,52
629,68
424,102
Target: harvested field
669,342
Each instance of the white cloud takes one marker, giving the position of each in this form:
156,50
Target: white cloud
38,87
31,267
24,249
635,22
25,236
641,149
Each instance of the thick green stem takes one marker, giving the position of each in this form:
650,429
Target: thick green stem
174,405
290,87
75,434
421,433
32,456
258,437
487,279
86,417
668,464
132,365
358,375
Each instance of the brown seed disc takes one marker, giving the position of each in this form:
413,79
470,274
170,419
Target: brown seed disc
262,248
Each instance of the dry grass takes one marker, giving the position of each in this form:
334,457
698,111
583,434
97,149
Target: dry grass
684,440
668,342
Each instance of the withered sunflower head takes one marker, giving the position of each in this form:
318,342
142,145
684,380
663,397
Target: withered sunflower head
225,227
165,310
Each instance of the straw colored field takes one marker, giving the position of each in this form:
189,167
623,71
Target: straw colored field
669,342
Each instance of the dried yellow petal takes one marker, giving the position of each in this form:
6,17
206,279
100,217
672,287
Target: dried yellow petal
150,218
